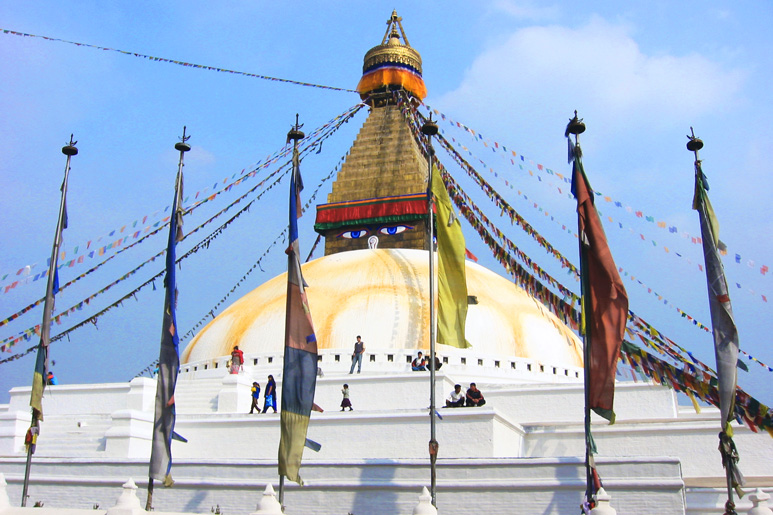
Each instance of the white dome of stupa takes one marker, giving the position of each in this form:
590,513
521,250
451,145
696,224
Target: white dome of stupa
382,294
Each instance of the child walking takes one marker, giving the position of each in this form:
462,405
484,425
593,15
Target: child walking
346,403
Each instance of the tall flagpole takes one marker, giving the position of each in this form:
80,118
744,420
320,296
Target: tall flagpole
295,134
45,329
723,326
577,127
430,129
182,146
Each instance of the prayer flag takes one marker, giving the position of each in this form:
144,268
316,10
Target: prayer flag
299,375
41,361
725,333
169,355
452,279
604,300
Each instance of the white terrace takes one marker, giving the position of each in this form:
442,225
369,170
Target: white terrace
524,446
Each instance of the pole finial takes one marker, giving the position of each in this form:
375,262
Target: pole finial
70,149
575,126
182,145
296,133
430,127
694,144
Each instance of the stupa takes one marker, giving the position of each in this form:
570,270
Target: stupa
520,453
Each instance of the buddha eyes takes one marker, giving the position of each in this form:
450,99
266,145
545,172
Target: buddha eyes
353,235
394,229
390,230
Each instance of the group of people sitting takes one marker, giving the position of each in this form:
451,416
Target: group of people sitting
422,363
473,397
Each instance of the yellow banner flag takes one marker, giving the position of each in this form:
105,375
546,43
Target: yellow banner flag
452,280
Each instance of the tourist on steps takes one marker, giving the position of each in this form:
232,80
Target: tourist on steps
346,403
270,395
237,360
359,350
255,397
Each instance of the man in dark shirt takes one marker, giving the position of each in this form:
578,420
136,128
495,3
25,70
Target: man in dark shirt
359,350
418,363
474,396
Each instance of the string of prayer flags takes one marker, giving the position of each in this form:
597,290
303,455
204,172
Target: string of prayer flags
499,147
180,63
6,344
314,140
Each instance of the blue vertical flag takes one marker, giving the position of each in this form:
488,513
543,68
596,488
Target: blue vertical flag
169,355
299,377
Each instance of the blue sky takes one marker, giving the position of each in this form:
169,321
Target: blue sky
640,75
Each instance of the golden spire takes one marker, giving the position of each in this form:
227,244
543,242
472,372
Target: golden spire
392,65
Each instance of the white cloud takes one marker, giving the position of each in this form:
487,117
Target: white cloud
547,71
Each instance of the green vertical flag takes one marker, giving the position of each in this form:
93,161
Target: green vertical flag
722,323
725,333
452,280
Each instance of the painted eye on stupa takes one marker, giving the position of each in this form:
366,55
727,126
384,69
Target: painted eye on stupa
394,229
353,235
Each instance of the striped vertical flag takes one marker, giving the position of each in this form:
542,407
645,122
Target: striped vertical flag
169,355
299,377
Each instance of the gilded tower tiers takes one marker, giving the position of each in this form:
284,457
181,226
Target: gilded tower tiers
379,198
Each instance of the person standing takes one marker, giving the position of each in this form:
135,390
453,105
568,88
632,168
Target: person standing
255,397
359,350
346,403
270,395
237,359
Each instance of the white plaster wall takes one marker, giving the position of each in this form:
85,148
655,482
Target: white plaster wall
79,398
694,442
548,403
365,486
130,435
13,427
461,433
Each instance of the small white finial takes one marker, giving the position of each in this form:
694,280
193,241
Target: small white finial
425,504
128,503
602,504
268,504
760,501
